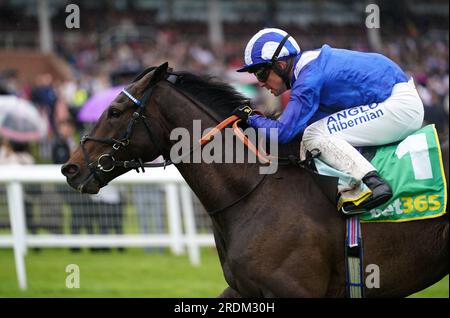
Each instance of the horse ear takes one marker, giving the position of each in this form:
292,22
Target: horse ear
160,72
154,76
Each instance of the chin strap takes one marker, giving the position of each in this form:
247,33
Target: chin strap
285,74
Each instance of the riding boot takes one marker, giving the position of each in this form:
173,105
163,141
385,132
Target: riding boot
381,193
342,156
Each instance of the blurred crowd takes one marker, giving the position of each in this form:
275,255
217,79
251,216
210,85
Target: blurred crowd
97,67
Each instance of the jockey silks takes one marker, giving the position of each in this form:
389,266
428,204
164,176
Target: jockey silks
334,80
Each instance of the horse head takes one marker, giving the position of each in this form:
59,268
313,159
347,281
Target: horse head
125,135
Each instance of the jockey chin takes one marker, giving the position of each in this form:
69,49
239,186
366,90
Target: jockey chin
340,99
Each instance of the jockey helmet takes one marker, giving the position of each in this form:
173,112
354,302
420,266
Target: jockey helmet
267,46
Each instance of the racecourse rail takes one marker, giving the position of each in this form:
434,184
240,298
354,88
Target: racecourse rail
180,213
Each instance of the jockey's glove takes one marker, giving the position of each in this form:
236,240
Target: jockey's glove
243,112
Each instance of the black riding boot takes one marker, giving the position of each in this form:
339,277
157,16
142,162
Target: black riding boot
381,193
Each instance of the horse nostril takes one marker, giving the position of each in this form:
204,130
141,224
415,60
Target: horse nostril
70,170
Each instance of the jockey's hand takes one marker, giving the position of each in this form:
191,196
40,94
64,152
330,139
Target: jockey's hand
243,112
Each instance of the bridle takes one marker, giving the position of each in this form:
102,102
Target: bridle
106,162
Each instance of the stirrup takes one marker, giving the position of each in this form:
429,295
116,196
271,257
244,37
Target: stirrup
309,159
352,212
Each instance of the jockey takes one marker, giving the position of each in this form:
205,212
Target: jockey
340,99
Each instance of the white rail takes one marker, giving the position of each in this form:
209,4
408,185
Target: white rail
14,176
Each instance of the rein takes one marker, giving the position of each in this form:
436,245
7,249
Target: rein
106,162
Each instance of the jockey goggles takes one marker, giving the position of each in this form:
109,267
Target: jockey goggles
262,74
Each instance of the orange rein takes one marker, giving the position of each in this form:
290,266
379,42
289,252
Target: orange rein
209,136
262,155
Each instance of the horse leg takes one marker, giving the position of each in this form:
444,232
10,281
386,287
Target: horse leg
229,293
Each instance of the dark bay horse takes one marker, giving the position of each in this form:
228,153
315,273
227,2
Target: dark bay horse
277,235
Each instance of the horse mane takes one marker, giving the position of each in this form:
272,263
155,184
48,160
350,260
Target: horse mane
218,96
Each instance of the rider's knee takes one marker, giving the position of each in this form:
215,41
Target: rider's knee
312,134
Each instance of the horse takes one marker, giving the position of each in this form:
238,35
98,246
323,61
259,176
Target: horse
276,235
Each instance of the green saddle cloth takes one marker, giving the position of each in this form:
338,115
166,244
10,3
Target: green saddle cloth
413,168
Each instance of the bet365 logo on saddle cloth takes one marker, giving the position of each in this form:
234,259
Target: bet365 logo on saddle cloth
414,170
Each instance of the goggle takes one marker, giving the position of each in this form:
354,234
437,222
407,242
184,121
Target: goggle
262,74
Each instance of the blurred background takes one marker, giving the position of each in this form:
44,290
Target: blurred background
58,73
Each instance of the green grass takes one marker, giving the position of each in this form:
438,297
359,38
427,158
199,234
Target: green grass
438,290
132,273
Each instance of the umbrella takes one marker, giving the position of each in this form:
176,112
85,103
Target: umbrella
96,104
20,120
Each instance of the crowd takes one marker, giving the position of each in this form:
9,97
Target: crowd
95,68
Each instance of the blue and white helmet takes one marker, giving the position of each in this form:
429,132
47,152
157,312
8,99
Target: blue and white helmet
262,46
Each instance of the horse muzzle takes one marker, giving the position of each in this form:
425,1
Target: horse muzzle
82,182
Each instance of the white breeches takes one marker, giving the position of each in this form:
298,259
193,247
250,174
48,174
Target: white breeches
369,125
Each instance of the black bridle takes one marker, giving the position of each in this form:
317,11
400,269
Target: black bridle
107,162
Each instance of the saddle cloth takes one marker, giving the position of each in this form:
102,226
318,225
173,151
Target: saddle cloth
413,168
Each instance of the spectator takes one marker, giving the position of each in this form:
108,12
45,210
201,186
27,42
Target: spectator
13,152
45,97
9,84
435,113
63,142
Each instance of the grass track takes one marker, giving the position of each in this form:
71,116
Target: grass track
132,273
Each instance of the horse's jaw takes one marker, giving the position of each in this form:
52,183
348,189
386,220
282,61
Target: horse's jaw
88,189
91,187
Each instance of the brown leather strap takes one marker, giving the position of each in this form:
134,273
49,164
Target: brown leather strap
209,136
261,154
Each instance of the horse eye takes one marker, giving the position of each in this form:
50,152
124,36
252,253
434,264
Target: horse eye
114,112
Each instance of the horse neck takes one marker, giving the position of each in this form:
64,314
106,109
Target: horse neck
215,184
